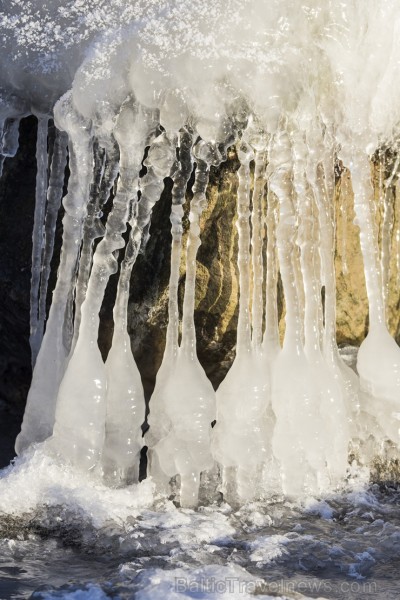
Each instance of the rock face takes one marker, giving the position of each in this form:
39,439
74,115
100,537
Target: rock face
217,277
17,202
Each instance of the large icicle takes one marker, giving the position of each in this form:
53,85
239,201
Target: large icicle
38,241
51,361
241,436
159,421
79,427
325,394
187,397
106,165
320,169
378,360
297,420
125,406
54,196
192,413
229,447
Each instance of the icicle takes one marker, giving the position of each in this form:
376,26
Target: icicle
378,360
159,421
244,258
363,195
9,137
181,439
387,230
241,436
38,235
54,196
308,243
312,435
320,173
344,195
271,344
325,402
256,245
79,427
280,173
125,397
178,198
200,402
289,394
51,361
229,444
105,170
257,139
319,161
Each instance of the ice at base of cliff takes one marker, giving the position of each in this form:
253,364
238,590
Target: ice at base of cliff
36,481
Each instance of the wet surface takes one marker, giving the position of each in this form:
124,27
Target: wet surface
344,547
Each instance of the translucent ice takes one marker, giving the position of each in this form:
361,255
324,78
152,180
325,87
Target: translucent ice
295,88
51,361
125,406
38,236
185,396
242,434
79,428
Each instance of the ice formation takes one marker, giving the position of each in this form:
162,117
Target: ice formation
294,88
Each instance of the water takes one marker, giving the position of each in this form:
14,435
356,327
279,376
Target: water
347,546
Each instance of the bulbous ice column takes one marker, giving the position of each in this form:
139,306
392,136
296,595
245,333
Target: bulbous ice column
194,425
187,397
79,429
125,405
378,360
297,417
52,358
325,394
158,419
241,436
320,168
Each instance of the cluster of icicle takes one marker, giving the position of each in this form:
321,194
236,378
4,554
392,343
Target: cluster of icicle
285,416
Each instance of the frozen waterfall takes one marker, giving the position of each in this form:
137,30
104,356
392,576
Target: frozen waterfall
144,93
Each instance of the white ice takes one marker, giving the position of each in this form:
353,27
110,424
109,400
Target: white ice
294,88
